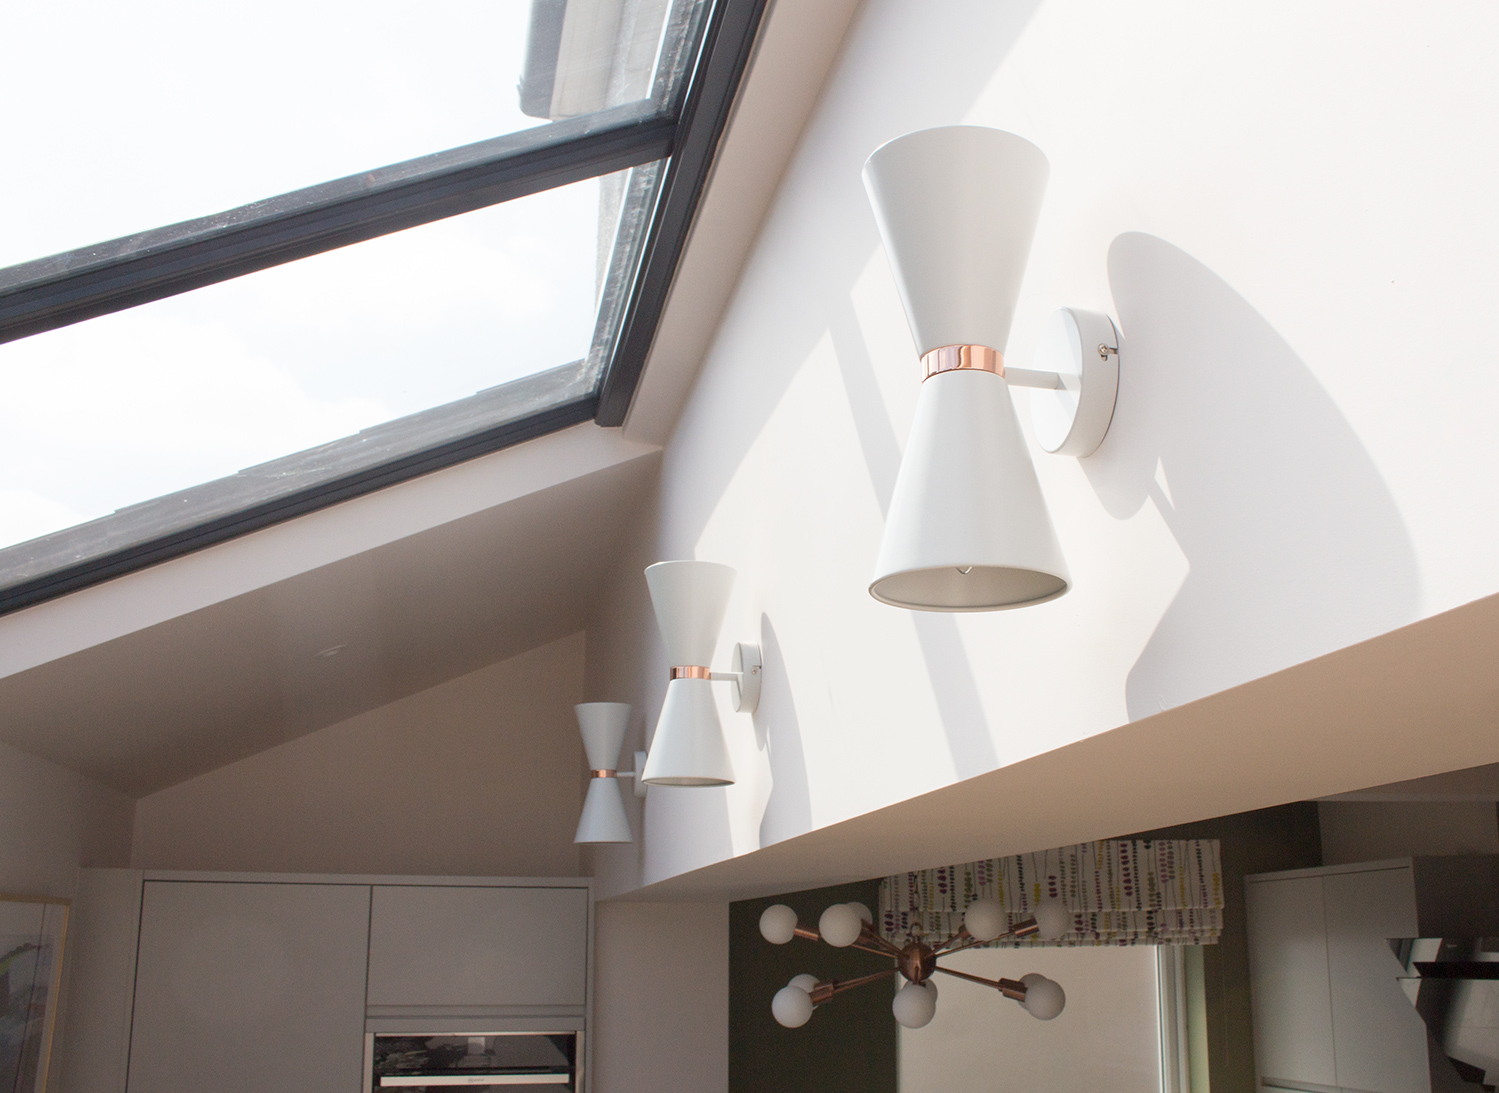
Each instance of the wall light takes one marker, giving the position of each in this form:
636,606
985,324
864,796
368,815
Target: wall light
967,528
688,749
603,726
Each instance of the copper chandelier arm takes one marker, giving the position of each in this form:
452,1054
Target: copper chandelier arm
884,944
838,986
943,947
1010,988
810,935
972,941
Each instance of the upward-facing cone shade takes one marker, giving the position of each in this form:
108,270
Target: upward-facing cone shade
603,725
967,528
690,599
956,208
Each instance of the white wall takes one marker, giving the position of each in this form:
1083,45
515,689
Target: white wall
661,1013
52,822
481,775
1288,213
1106,1038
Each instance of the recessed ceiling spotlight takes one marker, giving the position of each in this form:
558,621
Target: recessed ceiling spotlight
331,651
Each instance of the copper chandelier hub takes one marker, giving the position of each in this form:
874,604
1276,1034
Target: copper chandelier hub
917,961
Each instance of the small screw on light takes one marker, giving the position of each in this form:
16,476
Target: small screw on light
1105,350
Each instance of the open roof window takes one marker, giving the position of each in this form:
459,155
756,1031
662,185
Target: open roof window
501,278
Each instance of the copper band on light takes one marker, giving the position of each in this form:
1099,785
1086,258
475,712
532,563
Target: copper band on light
603,774
950,358
690,671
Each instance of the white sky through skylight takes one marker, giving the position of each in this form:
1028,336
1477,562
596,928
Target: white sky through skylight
120,117
129,406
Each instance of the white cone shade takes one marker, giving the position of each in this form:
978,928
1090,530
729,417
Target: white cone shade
603,819
957,208
690,599
603,725
967,498
688,748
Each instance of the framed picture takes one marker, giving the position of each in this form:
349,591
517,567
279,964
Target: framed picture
32,933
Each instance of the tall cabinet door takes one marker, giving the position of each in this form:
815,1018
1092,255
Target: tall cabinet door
1379,1039
1290,996
248,987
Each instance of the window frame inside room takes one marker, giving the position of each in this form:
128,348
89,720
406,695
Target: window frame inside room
680,129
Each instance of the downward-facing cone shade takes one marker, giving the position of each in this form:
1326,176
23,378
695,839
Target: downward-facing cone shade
603,819
967,528
688,749
603,726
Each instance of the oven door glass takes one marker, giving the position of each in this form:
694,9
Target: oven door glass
508,1062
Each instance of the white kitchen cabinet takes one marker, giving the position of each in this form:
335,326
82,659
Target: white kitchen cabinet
244,987
1328,1009
478,948
1288,972
1379,1039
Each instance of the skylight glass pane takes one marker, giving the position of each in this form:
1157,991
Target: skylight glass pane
123,117
158,398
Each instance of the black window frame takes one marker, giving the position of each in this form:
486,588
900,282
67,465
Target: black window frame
57,291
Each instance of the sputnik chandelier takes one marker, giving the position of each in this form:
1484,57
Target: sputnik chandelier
851,925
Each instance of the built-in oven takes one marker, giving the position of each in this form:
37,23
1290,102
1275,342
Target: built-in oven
504,1062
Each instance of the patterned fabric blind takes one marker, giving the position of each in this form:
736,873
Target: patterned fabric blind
1120,892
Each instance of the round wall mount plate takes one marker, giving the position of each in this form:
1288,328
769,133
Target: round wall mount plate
746,693
1082,347
640,786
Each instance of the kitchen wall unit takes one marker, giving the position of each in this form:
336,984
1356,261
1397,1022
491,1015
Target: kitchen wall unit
484,947
248,982
244,987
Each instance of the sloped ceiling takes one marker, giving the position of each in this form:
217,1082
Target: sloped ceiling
161,704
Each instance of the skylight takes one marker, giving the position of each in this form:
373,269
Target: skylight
370,323
123,408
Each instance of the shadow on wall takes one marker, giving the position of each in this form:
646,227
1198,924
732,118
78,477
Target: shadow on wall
953,684
1294,543
778,733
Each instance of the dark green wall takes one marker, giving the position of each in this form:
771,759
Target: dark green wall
848,1044
1285,837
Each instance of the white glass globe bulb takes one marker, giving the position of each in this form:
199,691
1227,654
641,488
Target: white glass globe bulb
778,924
804,981
840,925
1053,918
863,912
792,1007
915,1005
1044,998
985,919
